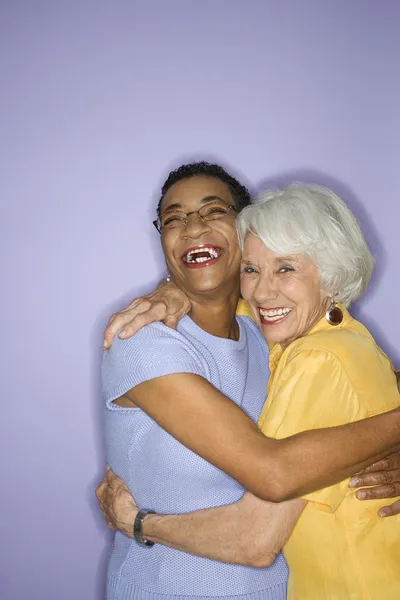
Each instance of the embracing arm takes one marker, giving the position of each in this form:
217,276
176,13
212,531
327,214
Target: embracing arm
167,303
248,532
326,455
271,469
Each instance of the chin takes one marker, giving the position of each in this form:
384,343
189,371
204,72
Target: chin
274,337
207,285
206,282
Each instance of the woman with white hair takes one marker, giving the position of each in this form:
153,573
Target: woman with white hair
304,260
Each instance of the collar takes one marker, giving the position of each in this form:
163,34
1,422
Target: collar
276,350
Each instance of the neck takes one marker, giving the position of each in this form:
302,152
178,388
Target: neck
216,315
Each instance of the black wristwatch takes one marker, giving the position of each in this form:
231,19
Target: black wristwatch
138,526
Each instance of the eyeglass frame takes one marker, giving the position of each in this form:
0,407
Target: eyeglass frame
192,212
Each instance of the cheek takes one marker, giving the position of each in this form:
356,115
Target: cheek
227,231
289,288
247,288
164,244
298,290
167,245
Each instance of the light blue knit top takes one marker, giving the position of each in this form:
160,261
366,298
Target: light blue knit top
166,476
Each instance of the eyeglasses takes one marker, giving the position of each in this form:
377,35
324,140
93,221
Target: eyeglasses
172,219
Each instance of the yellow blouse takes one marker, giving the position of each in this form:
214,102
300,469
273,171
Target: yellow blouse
340,549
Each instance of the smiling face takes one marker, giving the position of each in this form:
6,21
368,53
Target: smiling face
201,256
283,292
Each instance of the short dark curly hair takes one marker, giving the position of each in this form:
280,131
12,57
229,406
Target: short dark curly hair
239,192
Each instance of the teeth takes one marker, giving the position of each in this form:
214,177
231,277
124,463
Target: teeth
275,314
190,257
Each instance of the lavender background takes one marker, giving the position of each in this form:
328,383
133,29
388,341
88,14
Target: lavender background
98,101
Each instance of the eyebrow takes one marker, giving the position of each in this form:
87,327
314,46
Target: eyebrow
178,206
288,258
277,260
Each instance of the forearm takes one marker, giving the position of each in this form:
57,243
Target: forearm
211,533
248,532
315,459
274,470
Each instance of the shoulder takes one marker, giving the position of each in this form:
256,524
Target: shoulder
351,347
346,359
155,337
309,389
154,351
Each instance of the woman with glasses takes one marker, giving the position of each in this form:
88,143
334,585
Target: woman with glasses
205,385
210,350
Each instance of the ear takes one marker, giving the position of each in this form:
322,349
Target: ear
326,297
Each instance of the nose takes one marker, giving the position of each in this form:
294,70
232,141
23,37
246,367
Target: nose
266,289
195,227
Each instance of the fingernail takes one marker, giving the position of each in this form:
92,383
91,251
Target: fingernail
105,345
353,482
361,495
382,513
122,333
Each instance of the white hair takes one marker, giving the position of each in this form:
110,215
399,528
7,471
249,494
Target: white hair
312,220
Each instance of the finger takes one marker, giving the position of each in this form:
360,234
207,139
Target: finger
171,322
390,462
122,318
157,312
134,304
390,510
379,478
109,477
100,490
114,483
380,492
111,319
173,319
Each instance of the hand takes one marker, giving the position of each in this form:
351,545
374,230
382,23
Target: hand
384,477
118,506
167,303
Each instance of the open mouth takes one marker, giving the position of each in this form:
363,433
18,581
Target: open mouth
201,256
272,316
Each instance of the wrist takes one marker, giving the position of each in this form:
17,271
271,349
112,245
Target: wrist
138,532
126,523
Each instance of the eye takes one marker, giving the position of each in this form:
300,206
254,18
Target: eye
217,209
170,219
285,269
249,270
214,209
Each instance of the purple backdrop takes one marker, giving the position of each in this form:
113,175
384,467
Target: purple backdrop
98,101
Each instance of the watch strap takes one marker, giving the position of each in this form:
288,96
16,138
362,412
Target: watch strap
138,527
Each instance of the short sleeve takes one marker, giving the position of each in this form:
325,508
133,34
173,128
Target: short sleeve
154,351
312,392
